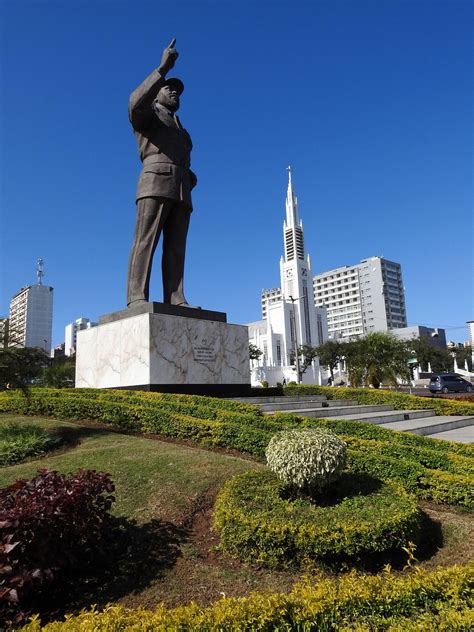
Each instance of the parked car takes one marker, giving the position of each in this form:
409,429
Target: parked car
445,382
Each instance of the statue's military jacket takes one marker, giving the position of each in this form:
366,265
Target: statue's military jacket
164,146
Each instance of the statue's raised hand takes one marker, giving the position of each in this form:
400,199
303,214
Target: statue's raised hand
169,57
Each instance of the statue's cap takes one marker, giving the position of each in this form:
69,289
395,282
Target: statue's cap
177,83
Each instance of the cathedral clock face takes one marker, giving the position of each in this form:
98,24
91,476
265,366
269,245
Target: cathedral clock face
304,272
289,274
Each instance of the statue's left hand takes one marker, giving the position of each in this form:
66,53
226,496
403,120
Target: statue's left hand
169,57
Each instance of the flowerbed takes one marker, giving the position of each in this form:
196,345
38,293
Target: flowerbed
437,470
258,524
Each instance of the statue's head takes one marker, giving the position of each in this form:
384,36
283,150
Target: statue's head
169,94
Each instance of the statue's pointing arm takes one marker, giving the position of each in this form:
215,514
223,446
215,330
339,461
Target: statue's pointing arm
141,99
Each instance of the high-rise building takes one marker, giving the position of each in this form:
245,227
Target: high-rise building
368,296
290,316
31,315
470,324
70,334
4,323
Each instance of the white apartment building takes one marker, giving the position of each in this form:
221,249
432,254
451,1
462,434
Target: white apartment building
290,316
4,323
470,324
70,334
31,317
368,296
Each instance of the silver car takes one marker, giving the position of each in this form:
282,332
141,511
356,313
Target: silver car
445,382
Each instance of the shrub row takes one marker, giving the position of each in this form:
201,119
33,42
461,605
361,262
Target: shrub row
400,401
441,487
20,441
420,600
432,459
188,402
48,524
377,432
253,436
258,524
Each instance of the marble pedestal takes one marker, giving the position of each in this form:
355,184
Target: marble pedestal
180,351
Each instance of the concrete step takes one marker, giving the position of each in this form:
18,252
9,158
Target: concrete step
428,426
460,435
306,405
385,417
420,422
344,412
279,398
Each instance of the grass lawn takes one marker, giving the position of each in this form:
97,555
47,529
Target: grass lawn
168,491
163,549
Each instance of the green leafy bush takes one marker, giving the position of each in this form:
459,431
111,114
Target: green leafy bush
308,459
258,524
422,600
21,441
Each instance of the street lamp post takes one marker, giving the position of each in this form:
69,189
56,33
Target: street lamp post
297,360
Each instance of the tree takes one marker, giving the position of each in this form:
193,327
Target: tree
377,358
439,359
306,354
60,374
462,354
19,366
254,352
330,354
354,356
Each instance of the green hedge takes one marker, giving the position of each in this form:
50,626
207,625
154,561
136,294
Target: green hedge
201,407
257,524
408,459
420,600
370,432
426,457
400,401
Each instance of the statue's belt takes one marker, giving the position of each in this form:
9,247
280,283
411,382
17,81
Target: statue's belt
161,158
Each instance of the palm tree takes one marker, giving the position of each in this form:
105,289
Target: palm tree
377,358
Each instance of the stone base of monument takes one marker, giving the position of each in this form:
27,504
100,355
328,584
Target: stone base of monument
159,347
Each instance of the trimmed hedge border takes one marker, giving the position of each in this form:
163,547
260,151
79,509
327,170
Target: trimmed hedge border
421,600
400,401
257,524
411,460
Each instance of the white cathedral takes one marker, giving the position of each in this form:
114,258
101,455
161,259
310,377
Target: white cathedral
289,316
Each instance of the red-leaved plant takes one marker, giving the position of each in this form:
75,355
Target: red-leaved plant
47,525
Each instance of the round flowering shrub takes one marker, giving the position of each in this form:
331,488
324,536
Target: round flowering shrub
308,459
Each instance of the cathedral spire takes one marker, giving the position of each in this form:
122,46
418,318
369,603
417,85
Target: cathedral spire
292,227
292,219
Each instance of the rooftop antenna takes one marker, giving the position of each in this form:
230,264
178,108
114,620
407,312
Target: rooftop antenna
40,271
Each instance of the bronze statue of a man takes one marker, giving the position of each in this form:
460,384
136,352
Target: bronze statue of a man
164,188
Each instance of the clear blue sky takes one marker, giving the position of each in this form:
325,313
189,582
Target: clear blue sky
369,101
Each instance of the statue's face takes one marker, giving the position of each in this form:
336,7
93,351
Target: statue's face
168,97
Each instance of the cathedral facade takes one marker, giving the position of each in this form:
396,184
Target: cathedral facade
289,316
